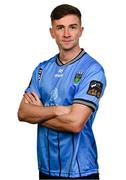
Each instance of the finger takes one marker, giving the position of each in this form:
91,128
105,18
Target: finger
35,96
26,101
26,98
33,100
29,97
38,101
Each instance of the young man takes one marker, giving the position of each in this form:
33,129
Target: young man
63,98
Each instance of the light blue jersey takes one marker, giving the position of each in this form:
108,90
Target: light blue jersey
82,81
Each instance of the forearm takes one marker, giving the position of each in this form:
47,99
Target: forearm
34,114
65,123
73,122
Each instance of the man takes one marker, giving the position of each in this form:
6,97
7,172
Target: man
63,98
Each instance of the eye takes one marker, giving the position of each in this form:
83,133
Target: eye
73,27
60,27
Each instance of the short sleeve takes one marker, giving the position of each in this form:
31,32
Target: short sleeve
91,88
34,82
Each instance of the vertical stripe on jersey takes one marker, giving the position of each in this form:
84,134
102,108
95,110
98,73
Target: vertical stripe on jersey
59,153
78,166
72,155
72,159
48,150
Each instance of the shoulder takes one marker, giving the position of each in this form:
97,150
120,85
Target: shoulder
93,64
93,69
44,63
38,70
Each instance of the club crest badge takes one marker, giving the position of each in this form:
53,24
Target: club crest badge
78,77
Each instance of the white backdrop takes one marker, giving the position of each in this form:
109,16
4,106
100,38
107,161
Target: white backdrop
24,42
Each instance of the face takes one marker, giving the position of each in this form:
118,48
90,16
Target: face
67,31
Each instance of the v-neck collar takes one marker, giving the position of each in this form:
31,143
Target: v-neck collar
59,62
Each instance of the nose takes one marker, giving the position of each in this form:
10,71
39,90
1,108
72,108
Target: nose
66,32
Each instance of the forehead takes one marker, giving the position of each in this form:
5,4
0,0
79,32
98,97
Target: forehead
67,20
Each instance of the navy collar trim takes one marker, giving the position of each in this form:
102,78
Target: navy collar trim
59,62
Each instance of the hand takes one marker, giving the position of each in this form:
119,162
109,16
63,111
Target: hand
32,98
61,110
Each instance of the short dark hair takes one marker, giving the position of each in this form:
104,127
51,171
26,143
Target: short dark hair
63,10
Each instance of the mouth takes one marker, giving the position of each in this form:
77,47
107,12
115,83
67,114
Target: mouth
67,41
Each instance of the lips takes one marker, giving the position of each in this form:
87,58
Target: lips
67,41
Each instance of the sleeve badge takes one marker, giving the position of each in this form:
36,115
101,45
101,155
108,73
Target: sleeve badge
95,88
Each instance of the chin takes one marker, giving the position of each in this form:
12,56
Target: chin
67,48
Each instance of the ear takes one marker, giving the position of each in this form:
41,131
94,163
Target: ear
82,29
52,33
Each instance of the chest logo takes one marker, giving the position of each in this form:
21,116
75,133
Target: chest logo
59,74
78,77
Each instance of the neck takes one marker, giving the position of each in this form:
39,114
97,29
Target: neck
68,55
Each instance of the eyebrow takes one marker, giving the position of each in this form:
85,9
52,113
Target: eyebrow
61,25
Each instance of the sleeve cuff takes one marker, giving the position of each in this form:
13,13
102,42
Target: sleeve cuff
90,104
